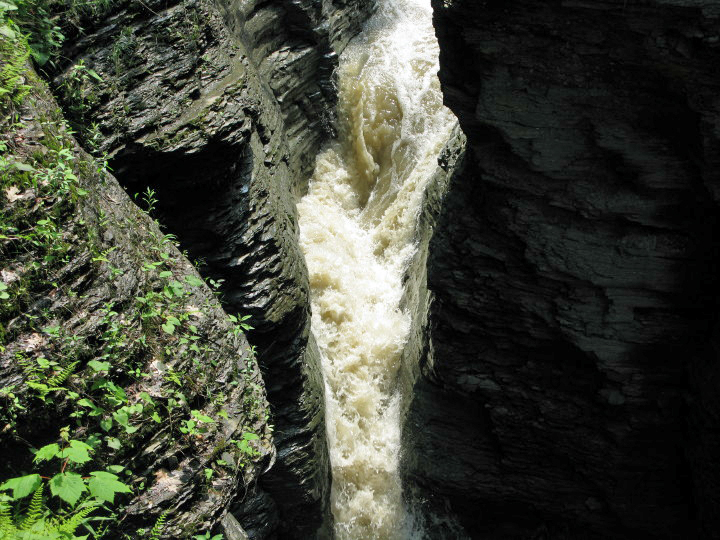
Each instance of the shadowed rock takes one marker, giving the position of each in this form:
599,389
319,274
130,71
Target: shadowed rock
567,392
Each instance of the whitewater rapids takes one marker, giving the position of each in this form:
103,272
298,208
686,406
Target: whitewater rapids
358,223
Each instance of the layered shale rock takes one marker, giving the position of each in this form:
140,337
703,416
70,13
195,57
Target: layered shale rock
220,107
88,280
568,392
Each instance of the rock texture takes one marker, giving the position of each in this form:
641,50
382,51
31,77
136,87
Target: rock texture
570,390
220,107
72,297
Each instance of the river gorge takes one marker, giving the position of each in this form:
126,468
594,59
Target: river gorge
354,269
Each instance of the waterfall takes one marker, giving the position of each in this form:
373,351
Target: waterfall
357,226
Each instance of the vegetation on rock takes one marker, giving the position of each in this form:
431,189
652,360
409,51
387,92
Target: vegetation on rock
106,330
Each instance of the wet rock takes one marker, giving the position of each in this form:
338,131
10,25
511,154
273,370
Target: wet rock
567,391
221,107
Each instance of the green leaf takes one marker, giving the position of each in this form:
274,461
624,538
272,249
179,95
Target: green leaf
96,411
42,389
46,452
22,486
94,440
177,288
7,32
106,424
77,452
94,75
156,417
194,281
166,274
113,443
23,167
99,366
40,57
105,485
43,362
115,468
68,486
137,408
202,417
168,327
122,418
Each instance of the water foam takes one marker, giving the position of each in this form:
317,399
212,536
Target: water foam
357,225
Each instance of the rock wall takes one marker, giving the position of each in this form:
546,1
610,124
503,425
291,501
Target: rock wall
72,299
220,107
570,387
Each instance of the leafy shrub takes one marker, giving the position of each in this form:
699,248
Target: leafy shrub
74,496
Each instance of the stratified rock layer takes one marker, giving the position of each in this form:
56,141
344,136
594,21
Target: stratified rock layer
220,107
95,292
571,387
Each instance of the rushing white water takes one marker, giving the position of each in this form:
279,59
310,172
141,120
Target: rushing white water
357,227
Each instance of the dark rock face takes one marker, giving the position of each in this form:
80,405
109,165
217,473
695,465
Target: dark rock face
221,106
571,388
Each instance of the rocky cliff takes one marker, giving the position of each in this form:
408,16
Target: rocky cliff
570,388
107,329
220,107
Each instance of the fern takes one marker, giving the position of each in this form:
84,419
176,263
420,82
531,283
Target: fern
34,526
69,526
159,526
35,510
6,524
14,55
57,380
36,523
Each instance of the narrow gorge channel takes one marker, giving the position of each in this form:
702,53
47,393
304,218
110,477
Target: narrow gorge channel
358,232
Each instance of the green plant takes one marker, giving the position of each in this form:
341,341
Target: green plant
208,536
43,385
34,18
197,425
161,342
243,445
14,55
79,96
240,326
35,524
148,197
39,19
123,50
74,496
157,529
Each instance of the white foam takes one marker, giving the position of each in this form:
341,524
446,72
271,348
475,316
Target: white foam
357,226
